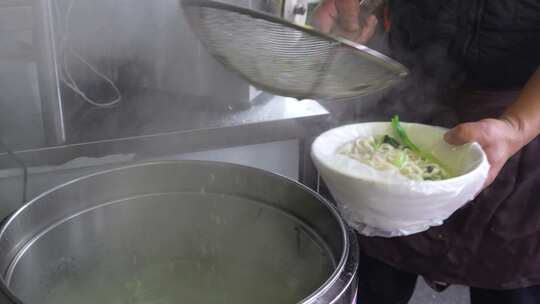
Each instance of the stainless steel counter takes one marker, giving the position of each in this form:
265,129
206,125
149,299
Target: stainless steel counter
269,119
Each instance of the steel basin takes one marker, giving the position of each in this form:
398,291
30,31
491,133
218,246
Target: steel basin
178,232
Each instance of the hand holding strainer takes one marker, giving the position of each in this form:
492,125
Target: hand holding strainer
287,59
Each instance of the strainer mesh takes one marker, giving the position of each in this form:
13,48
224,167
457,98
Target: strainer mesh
285,59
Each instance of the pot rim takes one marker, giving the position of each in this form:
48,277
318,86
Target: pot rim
339,276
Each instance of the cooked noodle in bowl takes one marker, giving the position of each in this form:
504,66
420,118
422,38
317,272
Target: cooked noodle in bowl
385,188
384,153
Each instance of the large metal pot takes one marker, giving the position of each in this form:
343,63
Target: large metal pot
178,232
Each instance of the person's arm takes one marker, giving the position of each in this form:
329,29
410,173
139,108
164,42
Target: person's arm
341,17
503,137
524,114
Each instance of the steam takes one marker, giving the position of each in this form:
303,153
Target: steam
426,95
147,50
97,44
148,44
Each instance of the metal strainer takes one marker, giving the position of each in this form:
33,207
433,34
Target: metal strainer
288,59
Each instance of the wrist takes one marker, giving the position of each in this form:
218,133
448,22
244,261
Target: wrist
518,136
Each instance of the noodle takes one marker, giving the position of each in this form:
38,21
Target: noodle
385,153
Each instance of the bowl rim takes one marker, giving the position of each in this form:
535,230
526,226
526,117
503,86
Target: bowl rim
319,162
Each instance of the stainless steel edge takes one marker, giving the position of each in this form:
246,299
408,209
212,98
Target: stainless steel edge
341,281
276,119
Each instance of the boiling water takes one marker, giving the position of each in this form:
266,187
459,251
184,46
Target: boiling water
175,248
185,282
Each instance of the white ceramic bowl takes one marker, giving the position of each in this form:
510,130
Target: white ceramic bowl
383,203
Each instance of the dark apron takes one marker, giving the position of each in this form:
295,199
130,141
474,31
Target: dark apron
493,242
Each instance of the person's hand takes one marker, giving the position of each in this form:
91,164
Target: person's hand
341,17
500,139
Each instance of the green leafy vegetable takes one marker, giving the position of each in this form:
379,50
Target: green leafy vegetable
406,141
378,142
401,160
391,141
402,135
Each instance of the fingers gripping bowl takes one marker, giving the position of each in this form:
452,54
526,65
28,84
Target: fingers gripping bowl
386,203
